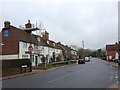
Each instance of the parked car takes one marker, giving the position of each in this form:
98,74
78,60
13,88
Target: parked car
87,59
90,57
81,61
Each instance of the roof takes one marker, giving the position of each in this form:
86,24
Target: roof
112,47
42,42
23,35
64,47
119,46
67,48
31,29
52,44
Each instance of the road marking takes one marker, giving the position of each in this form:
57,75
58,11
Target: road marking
116,76
59,78
63,76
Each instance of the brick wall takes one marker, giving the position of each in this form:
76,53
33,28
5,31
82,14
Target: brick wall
11,43
111,53
0,43
11,67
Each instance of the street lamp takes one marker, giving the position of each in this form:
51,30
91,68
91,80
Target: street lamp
30,50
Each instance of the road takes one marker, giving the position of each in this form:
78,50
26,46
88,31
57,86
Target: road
93,74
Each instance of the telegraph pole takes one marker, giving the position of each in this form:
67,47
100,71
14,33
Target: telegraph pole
83,44
83,50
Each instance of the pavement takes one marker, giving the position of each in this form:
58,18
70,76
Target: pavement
116,65
112,63
114,86
21,74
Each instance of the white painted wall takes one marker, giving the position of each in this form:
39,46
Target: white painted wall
44,50
8,57
48,51
23,49
116,55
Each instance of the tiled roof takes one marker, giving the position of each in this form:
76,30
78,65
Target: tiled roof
23,35
53,44
112,47
42,42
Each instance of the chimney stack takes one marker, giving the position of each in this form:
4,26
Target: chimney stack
6,24
28,25
118,42
46,36
59,43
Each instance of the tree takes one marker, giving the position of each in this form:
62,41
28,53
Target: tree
80,52
84,52
100,53
94,54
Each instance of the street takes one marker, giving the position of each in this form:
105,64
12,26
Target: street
93,74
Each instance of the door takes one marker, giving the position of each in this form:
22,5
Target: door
36,61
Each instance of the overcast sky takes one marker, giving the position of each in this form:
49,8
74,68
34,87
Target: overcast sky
67,21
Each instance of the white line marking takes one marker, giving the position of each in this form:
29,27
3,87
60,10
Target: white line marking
59,78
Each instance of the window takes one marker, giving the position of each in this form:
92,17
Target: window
47,42
5,33
54,44
32,58
38,38
24,45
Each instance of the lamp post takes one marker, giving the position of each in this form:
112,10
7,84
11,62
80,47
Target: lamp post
30,48
30,61
54,57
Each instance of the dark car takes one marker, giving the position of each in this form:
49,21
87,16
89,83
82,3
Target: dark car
81,61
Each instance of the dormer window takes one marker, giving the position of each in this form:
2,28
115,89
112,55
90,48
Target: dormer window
47,42
54,44
24,45
38,38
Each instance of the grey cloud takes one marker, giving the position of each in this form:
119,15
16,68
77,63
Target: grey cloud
70,22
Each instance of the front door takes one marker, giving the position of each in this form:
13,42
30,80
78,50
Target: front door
36,61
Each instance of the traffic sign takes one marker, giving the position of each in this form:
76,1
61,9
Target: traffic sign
30,48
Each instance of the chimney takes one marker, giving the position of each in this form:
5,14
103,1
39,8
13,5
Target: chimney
28,25
59,43
6,24
118,42
46,36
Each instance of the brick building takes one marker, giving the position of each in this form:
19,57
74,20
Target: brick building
14,47
112,51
